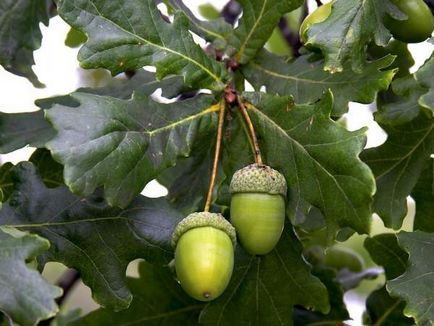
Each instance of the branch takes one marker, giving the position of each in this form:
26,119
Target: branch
292,38
216,154
257,151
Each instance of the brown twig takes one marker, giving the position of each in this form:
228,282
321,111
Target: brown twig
66,282
292,37
257,151
216,154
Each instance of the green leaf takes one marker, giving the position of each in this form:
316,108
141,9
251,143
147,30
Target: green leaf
20,129
21,35
188,181
122,145
318,157
88,235
416,285
350,27
208,11
127,35
6,183
25,296
158,300
263,288
338,311
305,79
255,27
75,38
385,251
382,309
216,30
424,78
47,168
399,104
403,61
423,195
397,165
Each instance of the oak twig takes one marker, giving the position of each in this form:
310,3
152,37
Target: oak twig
257,151
218,144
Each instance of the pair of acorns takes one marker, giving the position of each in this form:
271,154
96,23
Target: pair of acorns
205,242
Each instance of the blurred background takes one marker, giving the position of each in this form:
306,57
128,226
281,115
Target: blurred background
57,67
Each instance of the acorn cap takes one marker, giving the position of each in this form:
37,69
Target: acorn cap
258,178
204,219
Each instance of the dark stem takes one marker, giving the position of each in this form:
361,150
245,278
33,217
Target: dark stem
430,4
231,11
319,3
291,37
66,282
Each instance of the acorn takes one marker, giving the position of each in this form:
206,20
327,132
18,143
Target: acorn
204,254
258,207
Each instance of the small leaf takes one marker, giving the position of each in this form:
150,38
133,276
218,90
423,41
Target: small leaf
423,195
385,251
305,79
75,38
263,288
382,309
158,300
351,26
88,235
397,165
21,35
25,296
318,157
424,78
47,168
20,129
122,145
127,35
216,30
416,285
255,27
6,183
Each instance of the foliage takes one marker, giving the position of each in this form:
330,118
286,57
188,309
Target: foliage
78,201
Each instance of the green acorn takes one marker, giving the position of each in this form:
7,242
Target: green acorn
258,207
204,254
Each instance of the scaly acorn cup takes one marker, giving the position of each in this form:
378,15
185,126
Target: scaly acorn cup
258,207
204,254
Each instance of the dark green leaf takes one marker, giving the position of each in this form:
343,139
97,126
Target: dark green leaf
399,105
158,300
318,157
20,35
127,35
47,168
255,27
6,183
216,30
403,61
24,295
385,251
188,181
122,145
424,76
88,235
423,195
338,311
263,289
305,79
416,285
20,129
384,310
397,165
350,27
